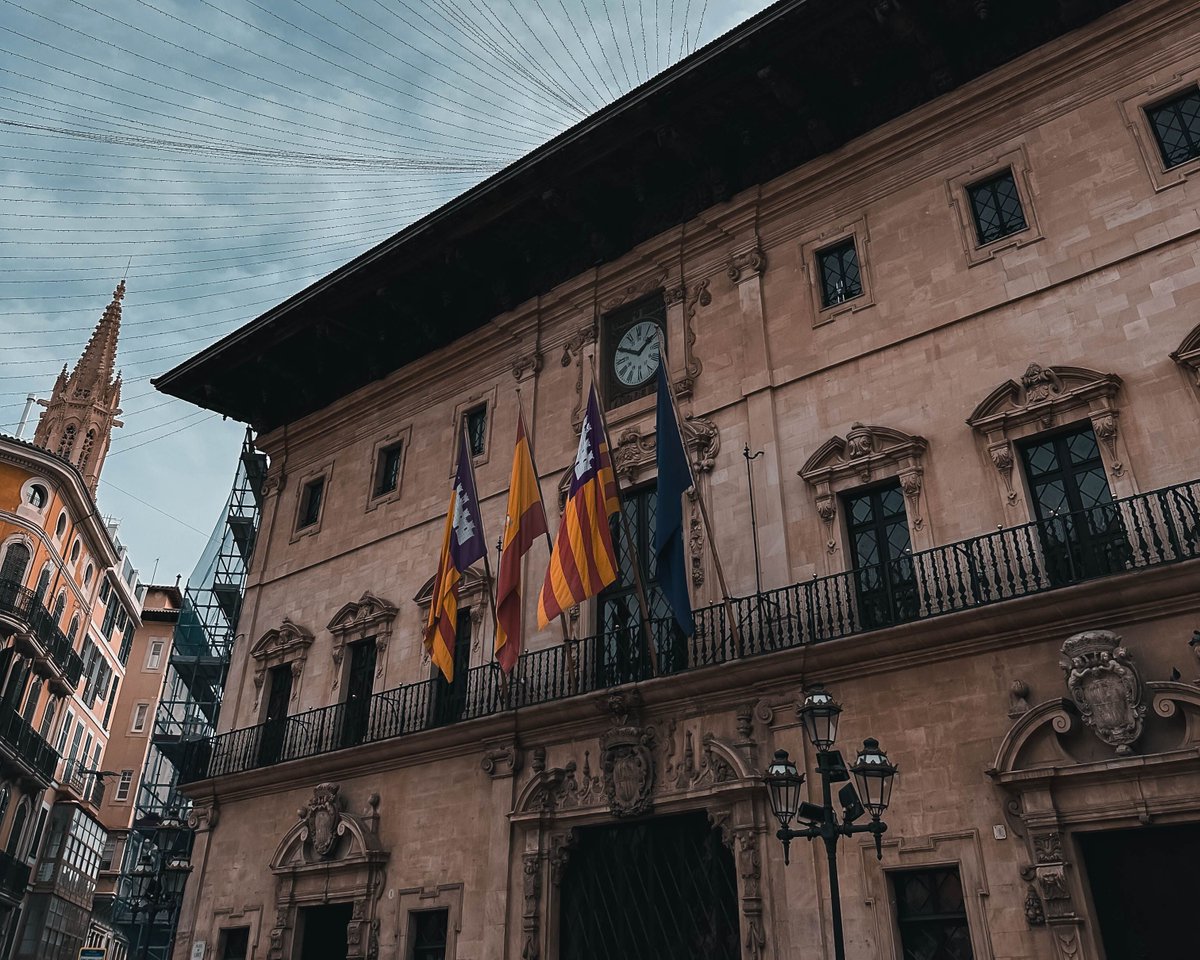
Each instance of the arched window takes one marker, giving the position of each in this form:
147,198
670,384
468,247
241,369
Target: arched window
87,575
61,527
16,562
75,548
37,496
48,718
60,605
89,441
67,443
5,796
74,629
31,700
43,583
17,833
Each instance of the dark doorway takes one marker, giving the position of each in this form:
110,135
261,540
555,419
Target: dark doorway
1143,890
658,889
1080,528
275,726
881,555
323,931
450,699
359,686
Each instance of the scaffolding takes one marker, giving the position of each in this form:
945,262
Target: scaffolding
187,711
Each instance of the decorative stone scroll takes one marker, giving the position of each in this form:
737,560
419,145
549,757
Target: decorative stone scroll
1106,687
864,454
635,449
368,617
628,766
1188,355
289,642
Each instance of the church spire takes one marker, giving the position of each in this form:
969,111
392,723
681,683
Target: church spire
84,404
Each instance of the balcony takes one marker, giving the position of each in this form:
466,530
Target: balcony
14,877
22,749
39,637
81,784
1110,540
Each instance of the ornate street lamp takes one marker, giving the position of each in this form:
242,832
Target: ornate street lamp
873,773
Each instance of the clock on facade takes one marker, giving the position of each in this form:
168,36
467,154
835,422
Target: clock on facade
632,348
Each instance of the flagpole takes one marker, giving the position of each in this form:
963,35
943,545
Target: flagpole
562,617
733,625
487,565
628,533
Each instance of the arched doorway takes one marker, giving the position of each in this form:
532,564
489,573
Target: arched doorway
657,889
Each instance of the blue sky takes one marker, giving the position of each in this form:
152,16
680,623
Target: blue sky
223,154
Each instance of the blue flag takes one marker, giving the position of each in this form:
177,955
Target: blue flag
674,479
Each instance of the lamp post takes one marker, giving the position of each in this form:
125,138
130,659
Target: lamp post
159,883
873,774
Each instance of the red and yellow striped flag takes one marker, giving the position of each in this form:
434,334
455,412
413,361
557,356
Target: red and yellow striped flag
583,561
525,521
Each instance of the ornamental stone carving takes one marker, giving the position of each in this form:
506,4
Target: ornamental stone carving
1105,685
289,642
635,448
369,617
628,770
747,264
322,817
1188,355
531,888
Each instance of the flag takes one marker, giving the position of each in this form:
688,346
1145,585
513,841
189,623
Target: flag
674,479
462,545
524,522
583,561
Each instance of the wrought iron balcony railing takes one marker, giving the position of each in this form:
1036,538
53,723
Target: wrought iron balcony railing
81,781
24,605
14,877
1135,533
26,745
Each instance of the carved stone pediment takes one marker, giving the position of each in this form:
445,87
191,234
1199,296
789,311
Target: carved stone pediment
1105,686
636,448
1043,394
289,642
1188,354
325,832
367,617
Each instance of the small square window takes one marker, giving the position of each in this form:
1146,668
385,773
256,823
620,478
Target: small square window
236,943
139,717
476,419
310,503
429,933
387,469
841,279
996,207
1176,125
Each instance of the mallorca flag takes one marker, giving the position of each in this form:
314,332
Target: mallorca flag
583,561
462,545
525,521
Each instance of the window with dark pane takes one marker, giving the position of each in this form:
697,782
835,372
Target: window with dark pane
931,915
387,469
841,278
235,943
476,419
881,554
310,502
430,930
996,207
1081,529
1176,126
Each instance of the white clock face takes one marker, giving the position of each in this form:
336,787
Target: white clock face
636,358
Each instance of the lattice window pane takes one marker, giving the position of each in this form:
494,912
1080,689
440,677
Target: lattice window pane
996,207
841,278
1176,126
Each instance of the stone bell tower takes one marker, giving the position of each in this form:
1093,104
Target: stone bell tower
83,409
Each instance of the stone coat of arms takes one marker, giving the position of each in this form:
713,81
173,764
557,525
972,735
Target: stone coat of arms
322,817
1106,687
628,765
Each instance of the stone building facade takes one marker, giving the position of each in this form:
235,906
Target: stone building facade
965,342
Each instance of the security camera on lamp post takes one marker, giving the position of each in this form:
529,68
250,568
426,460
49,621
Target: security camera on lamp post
873,774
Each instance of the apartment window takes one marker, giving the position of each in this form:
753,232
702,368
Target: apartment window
16,562
139,717
154,660
75,548
48,718
841,278
126,644
476,419
996,207
124,784
112,701
73,630
37,496
235,943
106,855
1176,125
31,700
64,733
310,503
105,590
429,933
36,840
387,469
61,527
87,575
931,915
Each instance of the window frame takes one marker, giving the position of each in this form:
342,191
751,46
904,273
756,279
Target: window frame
322,474
978,171
136,725
989,182
126,783
1135,112
840,249
411,952
900,922
401,438
154,654
482,398
1161,104
814,243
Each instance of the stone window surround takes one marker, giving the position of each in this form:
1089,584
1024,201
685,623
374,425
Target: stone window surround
961,850
1046,398
1133,111
28,510
369,617
287,643
30,545
487,399
402,436
325,472
231,918
471,596
864,456
814,242
983,168
410,900
1188,355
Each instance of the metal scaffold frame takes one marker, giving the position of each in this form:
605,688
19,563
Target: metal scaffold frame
188,709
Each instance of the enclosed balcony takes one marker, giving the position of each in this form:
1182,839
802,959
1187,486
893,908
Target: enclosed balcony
23,752
1118,539
14,877
37,636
